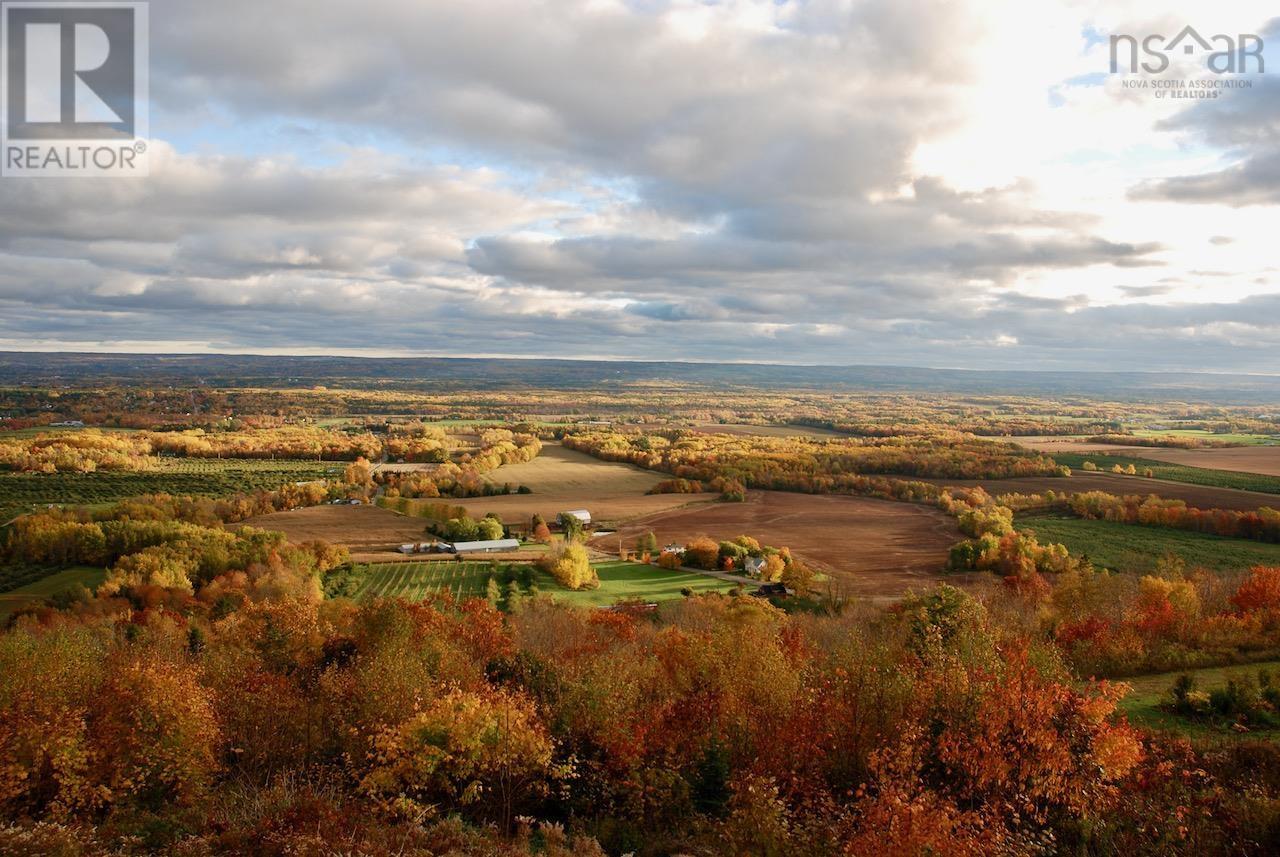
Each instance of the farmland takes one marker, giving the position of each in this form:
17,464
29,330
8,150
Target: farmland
370,533
1131,548
204,477
1173,472
418,580
1248,439
625,581
1199,496
619,581
868,547
215,633
1256,458
1263,460
564,479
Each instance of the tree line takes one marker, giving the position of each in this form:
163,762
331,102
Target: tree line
812,465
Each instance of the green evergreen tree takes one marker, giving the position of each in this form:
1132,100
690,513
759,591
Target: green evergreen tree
711,780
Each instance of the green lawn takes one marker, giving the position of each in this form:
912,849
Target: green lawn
632,580
1133,548
1172,472
1142,704
618,581
46,586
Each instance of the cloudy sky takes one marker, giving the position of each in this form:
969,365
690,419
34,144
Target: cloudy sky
957,184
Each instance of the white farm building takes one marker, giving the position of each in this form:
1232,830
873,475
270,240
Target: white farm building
489,546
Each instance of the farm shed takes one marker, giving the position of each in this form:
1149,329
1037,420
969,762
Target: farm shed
581,514
489,546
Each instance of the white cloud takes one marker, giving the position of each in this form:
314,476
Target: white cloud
915,181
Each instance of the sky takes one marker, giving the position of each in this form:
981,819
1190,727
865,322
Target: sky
898,182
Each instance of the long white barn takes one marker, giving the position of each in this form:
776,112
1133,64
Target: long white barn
489,546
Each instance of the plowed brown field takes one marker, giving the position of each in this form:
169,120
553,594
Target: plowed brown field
563,479
370,533
874,549
1241,459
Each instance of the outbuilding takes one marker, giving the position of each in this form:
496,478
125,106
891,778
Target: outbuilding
488,546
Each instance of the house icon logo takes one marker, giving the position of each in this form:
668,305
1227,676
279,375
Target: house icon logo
1223,54
1189,40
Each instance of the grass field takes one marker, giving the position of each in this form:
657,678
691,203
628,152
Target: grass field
631,580
1142,704
203,477
618,581
1132,548
46,586
1173,472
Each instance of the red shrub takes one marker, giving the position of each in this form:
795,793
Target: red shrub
1261,591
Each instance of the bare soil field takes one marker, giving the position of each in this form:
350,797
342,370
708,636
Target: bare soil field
1195,495
1264,460
562,479
368,532
875,549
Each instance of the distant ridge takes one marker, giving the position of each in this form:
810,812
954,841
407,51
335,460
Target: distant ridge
19,368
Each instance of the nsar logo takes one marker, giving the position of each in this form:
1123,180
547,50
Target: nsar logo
1223,54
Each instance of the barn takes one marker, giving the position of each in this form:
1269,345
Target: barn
488,546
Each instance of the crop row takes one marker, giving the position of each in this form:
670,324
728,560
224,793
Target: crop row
415,581
19,492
